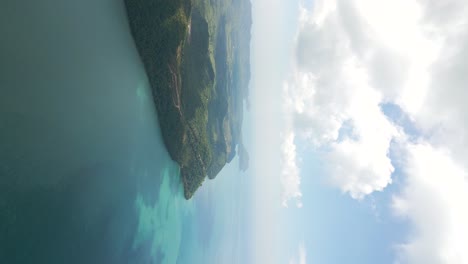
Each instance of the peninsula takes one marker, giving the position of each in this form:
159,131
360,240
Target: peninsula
197,58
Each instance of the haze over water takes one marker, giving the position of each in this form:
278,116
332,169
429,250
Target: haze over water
84,174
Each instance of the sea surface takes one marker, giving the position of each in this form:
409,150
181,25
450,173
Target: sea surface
84,174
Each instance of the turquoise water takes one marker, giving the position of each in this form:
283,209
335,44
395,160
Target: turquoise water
84,175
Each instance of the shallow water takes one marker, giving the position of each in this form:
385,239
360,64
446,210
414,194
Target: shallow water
84,175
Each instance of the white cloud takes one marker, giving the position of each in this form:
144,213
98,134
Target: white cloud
333,85
301,256
434,200
353,56
290,178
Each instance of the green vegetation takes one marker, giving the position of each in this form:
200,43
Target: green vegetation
196,54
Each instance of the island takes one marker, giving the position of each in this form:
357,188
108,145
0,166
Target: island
197,58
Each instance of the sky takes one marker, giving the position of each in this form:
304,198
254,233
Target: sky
360,133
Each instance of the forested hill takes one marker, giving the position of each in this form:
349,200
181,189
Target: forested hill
197,58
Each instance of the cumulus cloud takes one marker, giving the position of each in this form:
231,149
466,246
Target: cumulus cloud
301,256
434,197
334,85
434,200
351,58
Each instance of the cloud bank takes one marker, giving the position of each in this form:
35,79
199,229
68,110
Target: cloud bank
352,57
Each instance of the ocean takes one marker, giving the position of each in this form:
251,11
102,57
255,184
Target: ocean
84,174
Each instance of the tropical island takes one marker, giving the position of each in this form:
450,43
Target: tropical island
197,58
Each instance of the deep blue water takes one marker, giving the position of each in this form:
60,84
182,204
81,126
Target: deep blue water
84,174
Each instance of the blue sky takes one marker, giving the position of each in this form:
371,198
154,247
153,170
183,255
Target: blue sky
360,142
339,229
